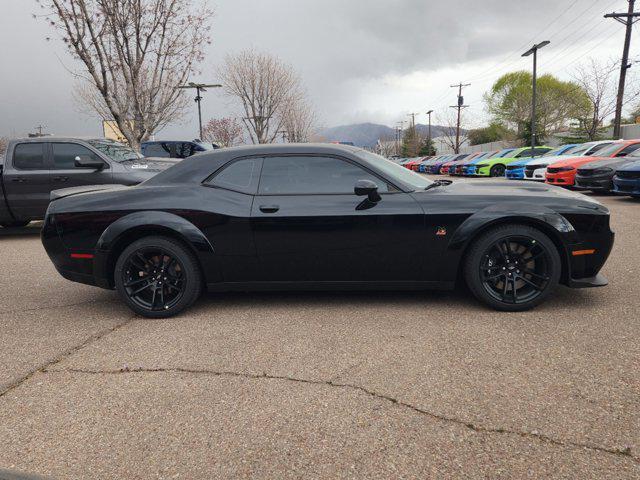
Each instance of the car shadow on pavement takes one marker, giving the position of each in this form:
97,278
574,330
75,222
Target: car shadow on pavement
29,231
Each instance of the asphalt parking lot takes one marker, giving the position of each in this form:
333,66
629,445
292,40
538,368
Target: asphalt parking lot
346,385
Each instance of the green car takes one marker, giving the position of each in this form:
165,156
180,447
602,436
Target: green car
495,167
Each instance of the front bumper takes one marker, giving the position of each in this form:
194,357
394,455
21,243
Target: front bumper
563,179
483,171
535,174
515,174
599,183
626,186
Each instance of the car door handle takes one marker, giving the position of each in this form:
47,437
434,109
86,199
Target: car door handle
60,179
19,179
269,208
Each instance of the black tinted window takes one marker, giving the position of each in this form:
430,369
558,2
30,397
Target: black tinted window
240,176
157,150
29,156
184,150
64,155
627,150
312,175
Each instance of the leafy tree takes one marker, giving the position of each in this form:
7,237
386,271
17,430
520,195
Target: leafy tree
427,148
411,142
557,102
493,133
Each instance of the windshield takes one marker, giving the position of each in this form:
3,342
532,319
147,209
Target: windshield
557,151
394,171
597,148
504,152
578,149
608,150
115,151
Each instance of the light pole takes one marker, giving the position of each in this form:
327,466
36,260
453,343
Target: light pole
200,87
534,50
429,132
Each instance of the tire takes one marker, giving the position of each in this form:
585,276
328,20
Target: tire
158,277
497,170
512,267
16,224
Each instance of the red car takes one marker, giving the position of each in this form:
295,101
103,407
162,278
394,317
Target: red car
563,173
445,168
413,164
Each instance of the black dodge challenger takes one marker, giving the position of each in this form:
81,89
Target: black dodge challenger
312,216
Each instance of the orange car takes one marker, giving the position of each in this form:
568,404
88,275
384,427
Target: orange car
563,173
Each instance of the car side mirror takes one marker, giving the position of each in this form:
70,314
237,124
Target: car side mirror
368,188
96,164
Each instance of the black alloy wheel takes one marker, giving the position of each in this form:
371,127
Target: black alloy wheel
497,171
513,267
157,277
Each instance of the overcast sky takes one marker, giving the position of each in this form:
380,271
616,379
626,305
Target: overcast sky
361,60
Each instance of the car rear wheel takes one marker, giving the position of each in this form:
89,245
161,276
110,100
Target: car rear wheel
512,267
158,277
497,171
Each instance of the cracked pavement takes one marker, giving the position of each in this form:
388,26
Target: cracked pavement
320,385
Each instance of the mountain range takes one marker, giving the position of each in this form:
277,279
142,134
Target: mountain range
367,134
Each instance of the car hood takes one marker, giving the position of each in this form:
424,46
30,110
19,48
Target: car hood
500,194
150,164
613,163
632,167
549,160
576,161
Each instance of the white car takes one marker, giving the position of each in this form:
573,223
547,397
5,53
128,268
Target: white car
535,169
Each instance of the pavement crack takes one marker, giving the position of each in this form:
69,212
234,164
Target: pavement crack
7,387
55,307
623,452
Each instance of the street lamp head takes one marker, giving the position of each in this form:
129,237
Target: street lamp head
429,112
537,46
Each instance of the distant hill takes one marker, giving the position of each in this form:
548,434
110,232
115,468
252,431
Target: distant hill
367,134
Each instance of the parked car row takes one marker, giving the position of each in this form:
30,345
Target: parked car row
606,165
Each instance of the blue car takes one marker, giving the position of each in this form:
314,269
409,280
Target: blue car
626,181
471,167
515,170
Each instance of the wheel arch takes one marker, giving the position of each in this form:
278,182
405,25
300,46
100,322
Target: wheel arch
137,225
473,228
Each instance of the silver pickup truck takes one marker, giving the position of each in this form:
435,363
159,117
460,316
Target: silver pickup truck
33,167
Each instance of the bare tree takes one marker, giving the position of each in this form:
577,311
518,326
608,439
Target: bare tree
387,146
265,86
3,145
226,132
599,82
448,121
135,53
298,119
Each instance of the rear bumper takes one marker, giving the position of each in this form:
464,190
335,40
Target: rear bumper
626,186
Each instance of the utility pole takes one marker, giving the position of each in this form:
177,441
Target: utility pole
429,132
627,19
534,50
284,135
199,87
459,106
39,128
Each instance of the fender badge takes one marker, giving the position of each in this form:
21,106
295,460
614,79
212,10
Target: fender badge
137,166
441,231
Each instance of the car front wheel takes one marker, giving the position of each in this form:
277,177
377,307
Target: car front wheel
158,277
497,171
512,267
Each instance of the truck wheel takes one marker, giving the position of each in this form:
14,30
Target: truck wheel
16,224
512,267
158,277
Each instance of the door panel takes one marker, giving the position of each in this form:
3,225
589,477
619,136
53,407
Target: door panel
27,184
65,174
327,238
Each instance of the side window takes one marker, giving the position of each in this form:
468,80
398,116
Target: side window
157,150
628,149
240,176
540,151
64,155
29,156
312,175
